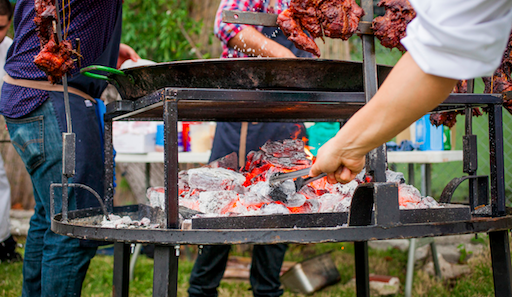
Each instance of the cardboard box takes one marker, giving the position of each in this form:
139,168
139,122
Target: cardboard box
134,143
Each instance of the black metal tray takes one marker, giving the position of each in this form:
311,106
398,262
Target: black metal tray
448,213
246,73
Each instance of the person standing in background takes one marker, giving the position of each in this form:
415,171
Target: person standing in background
56,265
7,242
245,41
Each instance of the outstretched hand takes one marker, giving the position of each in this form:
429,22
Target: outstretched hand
333,160
125,53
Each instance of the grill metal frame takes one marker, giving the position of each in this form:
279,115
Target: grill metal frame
181,103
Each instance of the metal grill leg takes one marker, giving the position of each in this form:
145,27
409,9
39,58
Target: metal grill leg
165,276
121,281
362,269
501,269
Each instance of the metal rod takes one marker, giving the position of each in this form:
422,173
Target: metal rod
121,280
171,160
501,269
496,159
109,166
362,269
64,77
165,275
410,267
376,159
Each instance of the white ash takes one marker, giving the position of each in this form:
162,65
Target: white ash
347,189
343,205
215,201
395,177
118,222
328,202
215,179
156,198
313,204
261,189
295,200
273,208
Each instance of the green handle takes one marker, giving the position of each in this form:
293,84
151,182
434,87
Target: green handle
85,71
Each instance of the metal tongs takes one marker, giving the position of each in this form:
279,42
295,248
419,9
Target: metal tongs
299,182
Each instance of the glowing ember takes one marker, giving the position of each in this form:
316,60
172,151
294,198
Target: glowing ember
217,191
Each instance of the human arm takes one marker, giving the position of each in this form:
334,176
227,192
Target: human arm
406,94
244,38
251,42
126,53
448,40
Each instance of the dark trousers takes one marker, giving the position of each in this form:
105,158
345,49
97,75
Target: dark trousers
265,267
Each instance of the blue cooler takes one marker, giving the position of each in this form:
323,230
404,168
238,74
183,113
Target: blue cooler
428,136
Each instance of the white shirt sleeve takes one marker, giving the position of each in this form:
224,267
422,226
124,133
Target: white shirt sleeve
459,39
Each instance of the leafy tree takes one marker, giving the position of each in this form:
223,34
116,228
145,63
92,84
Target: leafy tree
160,30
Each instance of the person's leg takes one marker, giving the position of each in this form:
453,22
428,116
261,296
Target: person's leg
7,242
208,271
265,268
58,262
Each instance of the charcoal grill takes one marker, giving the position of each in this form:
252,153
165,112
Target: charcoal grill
289,90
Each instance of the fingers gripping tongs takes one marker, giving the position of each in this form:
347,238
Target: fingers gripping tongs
299,182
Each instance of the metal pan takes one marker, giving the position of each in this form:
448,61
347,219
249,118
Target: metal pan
244,73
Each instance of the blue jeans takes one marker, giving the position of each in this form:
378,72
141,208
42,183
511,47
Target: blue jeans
55,265
265,268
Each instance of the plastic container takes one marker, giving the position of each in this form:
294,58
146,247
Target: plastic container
311,275
159,139
447,138
428,136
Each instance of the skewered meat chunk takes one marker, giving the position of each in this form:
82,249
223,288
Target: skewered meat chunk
45,15
501,81
332,18
306,12
293,30
55,59
391,27
340,18
449,118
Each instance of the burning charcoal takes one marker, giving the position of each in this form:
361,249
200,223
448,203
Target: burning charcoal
145,222
282,191
274,208
395,177
156,196
347,189
343,205
215,179
288,153
428,202
328,202
216,201
408,196
261,189
183,181
229,162
295,200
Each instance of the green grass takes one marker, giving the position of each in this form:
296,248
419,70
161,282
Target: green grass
390,262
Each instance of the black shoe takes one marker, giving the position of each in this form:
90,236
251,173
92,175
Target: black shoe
7,251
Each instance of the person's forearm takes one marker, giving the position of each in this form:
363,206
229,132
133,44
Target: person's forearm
251,42
406,95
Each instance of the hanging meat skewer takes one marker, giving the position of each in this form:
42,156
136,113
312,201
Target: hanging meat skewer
331,18
391,27
55,58
501,81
